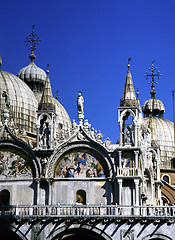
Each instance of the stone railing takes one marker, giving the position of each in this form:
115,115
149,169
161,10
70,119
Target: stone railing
128,172
88,211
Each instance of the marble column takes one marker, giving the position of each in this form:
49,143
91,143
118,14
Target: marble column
120,181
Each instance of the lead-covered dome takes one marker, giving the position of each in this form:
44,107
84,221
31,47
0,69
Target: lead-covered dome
32,73
154,106
163,137
23,104
34,76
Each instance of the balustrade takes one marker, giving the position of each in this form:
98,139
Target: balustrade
88,210
128,172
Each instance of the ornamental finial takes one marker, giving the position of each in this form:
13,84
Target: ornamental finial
32,41
47,71
153,74
129,59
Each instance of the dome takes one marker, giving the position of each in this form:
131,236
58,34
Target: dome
34,76
63,119
32,73
163,137
155,106
23,104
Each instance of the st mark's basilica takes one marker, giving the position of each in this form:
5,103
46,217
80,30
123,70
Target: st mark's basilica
59,179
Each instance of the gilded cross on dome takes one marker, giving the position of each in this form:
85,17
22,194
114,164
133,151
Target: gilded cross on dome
33,39
153,74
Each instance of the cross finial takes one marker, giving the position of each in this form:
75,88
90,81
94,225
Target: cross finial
32,40
153,74
129,59
47,69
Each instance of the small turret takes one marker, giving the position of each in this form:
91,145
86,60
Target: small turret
128,97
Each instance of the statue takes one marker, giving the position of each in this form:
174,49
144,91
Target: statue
128,138
80,102
99,137
7,102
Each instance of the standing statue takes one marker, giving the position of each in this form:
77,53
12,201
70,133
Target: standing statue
80,102
7,102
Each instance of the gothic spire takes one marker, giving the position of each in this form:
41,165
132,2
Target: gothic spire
46,100
128,97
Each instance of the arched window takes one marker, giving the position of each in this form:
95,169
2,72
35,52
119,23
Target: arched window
166,178
81,197
4,197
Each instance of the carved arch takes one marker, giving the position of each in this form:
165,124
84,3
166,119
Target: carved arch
157,237
131,113
86,229
25,151
41,117
102,155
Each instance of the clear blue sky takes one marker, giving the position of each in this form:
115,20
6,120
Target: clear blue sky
87,44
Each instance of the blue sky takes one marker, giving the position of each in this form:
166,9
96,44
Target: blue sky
87,44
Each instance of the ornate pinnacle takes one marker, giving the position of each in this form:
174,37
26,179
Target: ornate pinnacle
32,40
153,75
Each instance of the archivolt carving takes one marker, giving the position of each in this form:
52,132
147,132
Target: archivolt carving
107,162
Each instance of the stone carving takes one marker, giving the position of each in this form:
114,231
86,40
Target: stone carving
127,235
87,126
80,107
128,136
99,137
44,134
107,143
44,163
80,102
74,125
7,102
93,133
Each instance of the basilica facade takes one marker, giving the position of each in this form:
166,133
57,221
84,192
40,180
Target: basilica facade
59,179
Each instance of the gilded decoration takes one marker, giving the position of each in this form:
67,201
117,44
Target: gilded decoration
13,165
77,164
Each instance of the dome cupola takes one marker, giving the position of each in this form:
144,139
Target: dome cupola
22,102
153,106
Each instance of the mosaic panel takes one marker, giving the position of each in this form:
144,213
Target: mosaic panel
79,164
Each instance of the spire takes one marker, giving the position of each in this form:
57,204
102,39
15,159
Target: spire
33,39
46,100
128,98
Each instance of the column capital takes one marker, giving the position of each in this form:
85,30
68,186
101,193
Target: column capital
136,181
120,181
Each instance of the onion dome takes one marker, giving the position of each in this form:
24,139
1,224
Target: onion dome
163,138
128,97
154,107
34,76
23,104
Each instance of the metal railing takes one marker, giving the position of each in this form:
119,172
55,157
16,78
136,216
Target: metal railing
87,210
